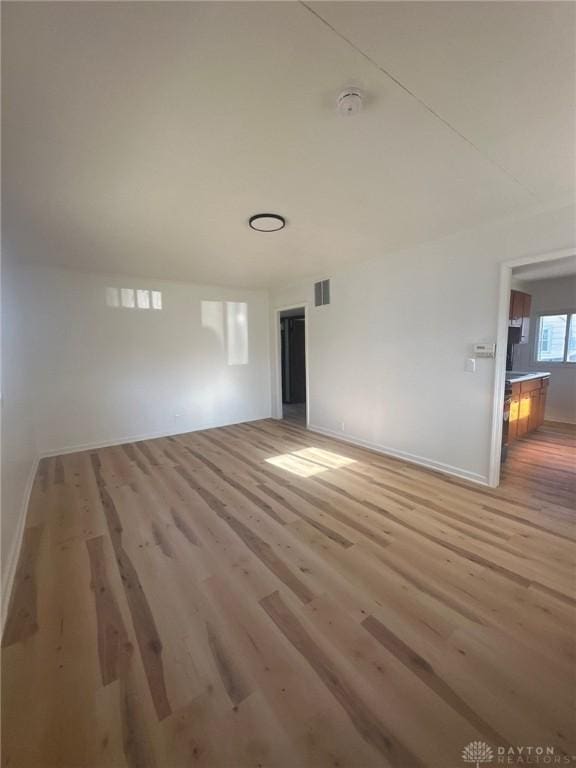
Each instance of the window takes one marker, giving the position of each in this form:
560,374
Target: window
545,340
556,338
571,345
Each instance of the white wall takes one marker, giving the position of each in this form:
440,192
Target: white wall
107,374
386,357
557,294
18,448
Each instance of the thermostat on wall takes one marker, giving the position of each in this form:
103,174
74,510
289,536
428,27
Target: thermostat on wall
484,350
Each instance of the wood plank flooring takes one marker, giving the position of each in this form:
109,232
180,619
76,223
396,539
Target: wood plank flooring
186,602
544,464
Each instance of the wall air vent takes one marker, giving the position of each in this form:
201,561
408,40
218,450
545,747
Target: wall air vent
321,293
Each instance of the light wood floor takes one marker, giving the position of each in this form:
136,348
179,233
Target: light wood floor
543,464
183,602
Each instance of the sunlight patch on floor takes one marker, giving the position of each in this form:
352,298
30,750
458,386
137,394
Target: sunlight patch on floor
295,465
309,461
326,458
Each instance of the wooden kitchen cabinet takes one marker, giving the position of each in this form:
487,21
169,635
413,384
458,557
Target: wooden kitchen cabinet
541,407
525,326
514,413
519,316
523,414
527,407
516,308
534,412
542,404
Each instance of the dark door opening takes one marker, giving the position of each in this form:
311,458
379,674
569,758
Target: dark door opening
293,351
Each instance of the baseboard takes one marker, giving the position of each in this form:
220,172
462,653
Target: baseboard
137,439
560,422
421,461
14,554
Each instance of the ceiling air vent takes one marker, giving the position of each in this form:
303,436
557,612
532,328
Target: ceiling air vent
321,293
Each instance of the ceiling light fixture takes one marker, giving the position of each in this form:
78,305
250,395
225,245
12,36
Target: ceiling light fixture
267,222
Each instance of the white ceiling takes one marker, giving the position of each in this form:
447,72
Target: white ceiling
139,137
544,270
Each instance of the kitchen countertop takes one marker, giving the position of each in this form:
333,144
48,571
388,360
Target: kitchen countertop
512,377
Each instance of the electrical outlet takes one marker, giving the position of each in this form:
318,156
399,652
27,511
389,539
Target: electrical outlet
341,426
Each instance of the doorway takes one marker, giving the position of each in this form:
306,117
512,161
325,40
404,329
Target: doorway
534,407
293,365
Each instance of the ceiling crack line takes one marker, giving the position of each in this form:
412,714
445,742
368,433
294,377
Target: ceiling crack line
418,99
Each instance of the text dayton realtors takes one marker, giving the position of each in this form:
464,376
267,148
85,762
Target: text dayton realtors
532,755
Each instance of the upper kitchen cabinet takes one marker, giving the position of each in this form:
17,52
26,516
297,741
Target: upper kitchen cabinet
526,305
516,309
520,304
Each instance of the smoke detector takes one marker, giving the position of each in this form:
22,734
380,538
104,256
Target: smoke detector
350,102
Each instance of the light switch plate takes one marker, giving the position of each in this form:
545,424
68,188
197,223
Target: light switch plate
470,366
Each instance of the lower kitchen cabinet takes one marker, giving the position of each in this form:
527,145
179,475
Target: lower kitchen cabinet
527,406
514,413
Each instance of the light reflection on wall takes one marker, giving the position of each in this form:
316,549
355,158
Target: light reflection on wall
228,320
127,298
237,337
112,297
130,298
213,318
143,299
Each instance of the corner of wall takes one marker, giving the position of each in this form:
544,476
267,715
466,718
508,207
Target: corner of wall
421,461
11,564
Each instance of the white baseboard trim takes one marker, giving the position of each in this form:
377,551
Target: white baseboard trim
559,420
421,461
137,439
14,554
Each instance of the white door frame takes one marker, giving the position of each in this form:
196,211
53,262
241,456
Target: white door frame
501,344
277,394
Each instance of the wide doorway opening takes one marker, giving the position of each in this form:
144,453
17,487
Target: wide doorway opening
538,447
293,364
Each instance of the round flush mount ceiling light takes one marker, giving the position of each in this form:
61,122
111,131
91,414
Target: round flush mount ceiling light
267,222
